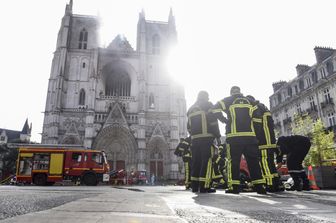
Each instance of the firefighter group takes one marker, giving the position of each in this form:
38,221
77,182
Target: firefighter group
210,163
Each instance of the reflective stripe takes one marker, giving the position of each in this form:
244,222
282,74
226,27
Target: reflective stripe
222,104
229,166
259,120
233,122
202,179
267,173
235,182
266,130
202,135
216,110
186,173
186,143
270,146
194,178
240,134
260,181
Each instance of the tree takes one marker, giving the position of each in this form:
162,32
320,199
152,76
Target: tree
322,141
9,159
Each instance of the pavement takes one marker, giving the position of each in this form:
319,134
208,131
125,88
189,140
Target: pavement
147,204
115,206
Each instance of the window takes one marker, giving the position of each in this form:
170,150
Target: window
97,157
118,84
289,91
84,65
327,97
323,74
279,98
156,44
82,97
312,103
298,109
301,85
308,81
77,157
330,68
2,138
296,89
314,76
331,119
83,38
151,101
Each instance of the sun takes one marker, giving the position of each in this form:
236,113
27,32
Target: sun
180,65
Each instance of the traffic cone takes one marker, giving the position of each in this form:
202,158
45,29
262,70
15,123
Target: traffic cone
311,179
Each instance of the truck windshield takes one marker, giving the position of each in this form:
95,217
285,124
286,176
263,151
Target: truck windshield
98,158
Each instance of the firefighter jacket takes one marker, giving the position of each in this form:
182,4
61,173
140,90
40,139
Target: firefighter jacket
264,126
292,144
239,126
201,122
183,149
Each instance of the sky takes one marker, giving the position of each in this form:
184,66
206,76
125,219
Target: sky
221,43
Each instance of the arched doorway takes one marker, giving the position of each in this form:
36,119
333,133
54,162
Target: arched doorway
157,157
119,146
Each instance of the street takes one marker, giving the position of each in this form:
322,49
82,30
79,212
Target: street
160,204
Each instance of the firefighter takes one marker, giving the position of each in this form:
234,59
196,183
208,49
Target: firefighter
264,128
295,147
203,128
241,139
219,164
183,150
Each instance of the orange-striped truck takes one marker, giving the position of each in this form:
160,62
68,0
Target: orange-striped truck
48,164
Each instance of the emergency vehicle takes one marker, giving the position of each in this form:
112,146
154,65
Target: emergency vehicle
47,164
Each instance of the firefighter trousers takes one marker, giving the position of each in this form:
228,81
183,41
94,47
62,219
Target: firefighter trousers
268,168
201,164
251,154
187,168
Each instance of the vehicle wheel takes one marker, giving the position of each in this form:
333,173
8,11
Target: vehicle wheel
90,179
40,179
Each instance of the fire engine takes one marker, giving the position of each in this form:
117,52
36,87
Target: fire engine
48,164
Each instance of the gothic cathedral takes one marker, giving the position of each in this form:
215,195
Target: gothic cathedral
116,99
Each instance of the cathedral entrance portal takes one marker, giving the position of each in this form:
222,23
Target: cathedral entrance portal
119,146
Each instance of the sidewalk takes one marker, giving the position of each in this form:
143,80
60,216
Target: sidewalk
116,205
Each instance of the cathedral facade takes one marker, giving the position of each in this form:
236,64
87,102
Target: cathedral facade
116,98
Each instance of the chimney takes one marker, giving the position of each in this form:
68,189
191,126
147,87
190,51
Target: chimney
278,85
322,53
301,69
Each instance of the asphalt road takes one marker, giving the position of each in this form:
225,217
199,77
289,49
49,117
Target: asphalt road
160,204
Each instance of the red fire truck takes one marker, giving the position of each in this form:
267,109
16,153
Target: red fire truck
47,164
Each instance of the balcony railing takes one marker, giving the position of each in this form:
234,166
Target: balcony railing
120,98
326,103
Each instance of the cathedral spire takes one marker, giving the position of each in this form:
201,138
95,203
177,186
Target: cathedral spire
68,8
171,18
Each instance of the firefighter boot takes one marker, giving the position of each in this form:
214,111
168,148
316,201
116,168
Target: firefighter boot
305,182
260,189
297,182
234,190
275,187
195,186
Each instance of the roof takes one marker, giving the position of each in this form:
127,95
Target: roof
11,134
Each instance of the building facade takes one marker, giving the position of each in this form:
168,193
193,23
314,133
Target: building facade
116,99
312,92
